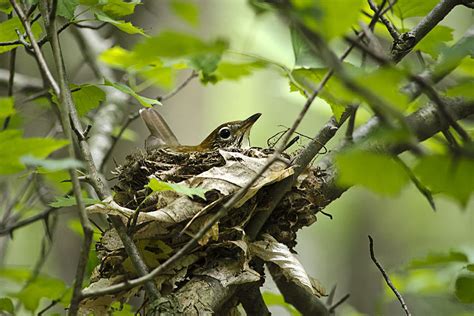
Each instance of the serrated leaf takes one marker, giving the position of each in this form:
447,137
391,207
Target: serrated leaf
119,8
13,146
66,8
438,259
67,201
8,33
464,287
186,10
52,164
87,97
435,40
329,18
375,171
6,305
160,186
122,25
448,175
146,102
6,107
270,250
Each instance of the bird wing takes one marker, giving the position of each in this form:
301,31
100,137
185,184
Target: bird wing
161,133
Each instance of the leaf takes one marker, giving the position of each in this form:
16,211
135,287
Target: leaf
274,299
6,305
42,287
6,107
160,186
5,6
435,40
87,97
186,10
52,164
301,51
67,201
122,25
462,89
375,171
409,8
236,71
13,146
118,57
329,18
270,250
448,175
438,259
8,33
66,8
146,102
119,8
464,287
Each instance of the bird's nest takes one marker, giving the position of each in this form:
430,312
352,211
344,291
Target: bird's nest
189,189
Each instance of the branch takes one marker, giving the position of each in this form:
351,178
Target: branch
408,40
386,277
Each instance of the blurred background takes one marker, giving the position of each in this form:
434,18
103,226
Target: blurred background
333,251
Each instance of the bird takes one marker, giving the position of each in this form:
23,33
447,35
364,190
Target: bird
234,134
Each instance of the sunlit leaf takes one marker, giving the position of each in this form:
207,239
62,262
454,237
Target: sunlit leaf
147,102
122,25
329,18
120,8
375,171
409,8
5,6
118,57
13,146
159,186
449,175
8,33
62,201
273,299
52,164
120,309
186,10
87,97
235,71
6,107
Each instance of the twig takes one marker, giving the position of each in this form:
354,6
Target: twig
390,27
193,75
386,277
342,300
11,80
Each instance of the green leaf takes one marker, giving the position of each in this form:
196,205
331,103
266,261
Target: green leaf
159,186
329,18
301,51
42,287
448,175
119,8
119,309
87,97
273,299
236,71
66,8
52,164
409,8
6,305
122,25
146,102
8,33
119,57
435,40
462,89
62,201
375,171
438,259
6,107
186,10
464,287
13,146
5,6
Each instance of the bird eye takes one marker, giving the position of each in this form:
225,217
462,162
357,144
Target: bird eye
224,133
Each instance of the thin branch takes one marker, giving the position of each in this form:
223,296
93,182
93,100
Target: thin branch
11,80
390,27
386,277
193,75
332,309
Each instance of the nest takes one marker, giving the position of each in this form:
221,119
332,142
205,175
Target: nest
161,222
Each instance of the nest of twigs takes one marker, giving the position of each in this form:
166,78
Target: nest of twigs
161,222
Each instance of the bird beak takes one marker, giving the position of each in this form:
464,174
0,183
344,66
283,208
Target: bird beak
251,120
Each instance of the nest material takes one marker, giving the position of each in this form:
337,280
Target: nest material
167,220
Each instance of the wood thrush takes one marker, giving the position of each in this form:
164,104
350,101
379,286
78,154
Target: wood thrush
231,134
